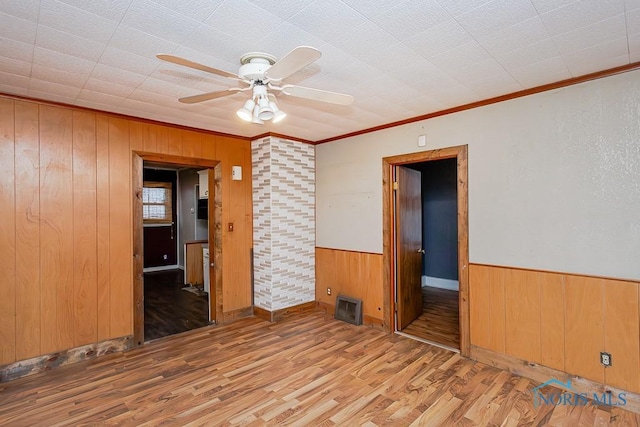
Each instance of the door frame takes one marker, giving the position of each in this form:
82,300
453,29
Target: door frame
388,212
214,237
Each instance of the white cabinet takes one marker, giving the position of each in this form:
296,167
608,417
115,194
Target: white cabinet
204,183
205,267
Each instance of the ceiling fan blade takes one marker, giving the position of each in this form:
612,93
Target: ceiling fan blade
317,94
209,96
185,62
293,61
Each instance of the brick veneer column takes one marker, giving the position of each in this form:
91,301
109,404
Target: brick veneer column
283,223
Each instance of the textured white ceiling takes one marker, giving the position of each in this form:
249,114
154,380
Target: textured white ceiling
399,59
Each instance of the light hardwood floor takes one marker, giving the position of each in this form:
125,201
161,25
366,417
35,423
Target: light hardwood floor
306,370
439,321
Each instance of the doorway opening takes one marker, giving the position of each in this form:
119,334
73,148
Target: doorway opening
426,246
176,239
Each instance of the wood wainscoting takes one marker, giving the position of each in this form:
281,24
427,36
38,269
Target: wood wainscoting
354,274
562,321
66,240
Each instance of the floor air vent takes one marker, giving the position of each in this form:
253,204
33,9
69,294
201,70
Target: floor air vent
349,310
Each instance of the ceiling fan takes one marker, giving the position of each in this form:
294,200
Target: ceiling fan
261,74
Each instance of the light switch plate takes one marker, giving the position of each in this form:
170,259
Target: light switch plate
236,173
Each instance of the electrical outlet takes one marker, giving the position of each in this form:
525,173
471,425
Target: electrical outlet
328,291
605,359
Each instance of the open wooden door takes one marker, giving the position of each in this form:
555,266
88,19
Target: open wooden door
408,245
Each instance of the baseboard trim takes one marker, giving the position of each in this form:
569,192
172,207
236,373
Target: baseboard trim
161,268
277,315
542,374
436,282
241,313
23,368
263,314
366,320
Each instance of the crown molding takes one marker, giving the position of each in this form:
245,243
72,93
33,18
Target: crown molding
519,94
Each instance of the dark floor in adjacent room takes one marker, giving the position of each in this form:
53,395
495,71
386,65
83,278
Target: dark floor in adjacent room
440,320
168,309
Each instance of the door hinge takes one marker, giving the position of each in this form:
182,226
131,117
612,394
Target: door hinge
395,185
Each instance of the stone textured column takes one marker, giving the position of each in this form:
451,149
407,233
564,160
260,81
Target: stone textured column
283,223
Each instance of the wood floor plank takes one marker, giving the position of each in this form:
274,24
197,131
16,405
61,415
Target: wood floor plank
168,309
308,369
440,318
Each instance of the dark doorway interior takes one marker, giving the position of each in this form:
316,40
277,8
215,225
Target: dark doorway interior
168,308
439,321
439,220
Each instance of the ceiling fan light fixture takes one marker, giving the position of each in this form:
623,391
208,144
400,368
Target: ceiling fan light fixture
246,112
262,72
278,114
254,118
265,112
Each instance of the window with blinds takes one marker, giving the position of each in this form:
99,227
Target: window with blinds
156,202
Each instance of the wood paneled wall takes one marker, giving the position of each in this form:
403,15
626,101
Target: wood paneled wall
237,209
354,274
66,222
562,321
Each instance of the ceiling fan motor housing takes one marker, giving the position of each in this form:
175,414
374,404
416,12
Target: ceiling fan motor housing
255,65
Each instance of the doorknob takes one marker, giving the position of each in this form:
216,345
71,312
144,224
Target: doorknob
420,251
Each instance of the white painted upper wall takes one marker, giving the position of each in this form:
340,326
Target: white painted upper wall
554,179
